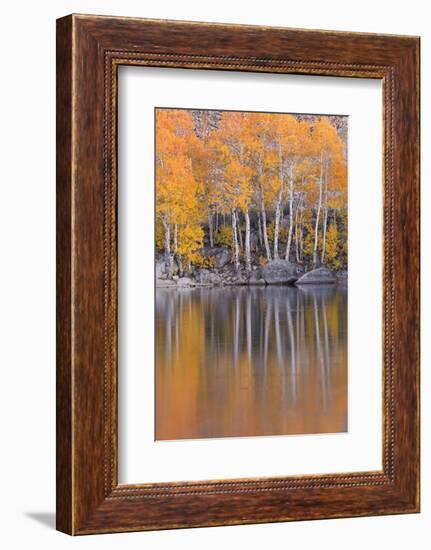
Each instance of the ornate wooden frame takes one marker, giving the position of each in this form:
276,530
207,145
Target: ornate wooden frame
89,51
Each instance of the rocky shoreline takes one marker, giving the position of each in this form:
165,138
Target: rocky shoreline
275,272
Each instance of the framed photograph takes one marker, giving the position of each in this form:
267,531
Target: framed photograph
237,274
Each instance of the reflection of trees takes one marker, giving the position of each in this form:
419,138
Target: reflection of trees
250,361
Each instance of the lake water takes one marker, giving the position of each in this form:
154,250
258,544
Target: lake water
241,361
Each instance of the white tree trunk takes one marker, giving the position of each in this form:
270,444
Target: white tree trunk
296,235
325,216
289,238
301,242
210,228
319,207
235,249
265,233
177,256
263,212
278,202
168,257
247,241
277,223
325,222
301,232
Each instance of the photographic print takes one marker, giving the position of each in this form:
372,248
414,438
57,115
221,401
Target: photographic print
237,234
251,269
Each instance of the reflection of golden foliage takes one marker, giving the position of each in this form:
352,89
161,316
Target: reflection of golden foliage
207,383
262,261
176,382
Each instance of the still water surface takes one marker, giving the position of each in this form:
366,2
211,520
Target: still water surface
243,361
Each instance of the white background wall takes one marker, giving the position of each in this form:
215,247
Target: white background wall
27,298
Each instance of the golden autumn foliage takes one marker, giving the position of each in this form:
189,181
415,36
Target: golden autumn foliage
223,237
332,244
190,240
259,183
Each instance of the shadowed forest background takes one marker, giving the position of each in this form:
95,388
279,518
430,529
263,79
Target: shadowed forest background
261,186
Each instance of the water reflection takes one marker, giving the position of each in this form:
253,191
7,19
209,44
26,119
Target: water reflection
246,361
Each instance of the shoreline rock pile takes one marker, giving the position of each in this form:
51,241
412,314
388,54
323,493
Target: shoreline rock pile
275,272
